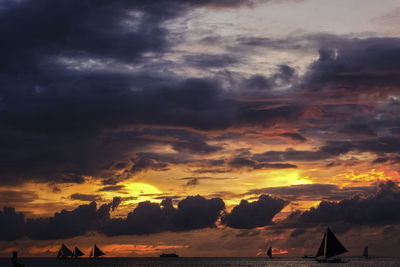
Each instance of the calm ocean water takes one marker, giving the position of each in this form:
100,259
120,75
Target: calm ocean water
203,262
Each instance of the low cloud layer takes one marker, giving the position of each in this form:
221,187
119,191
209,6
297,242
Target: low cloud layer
192,213
365,208
377,209
259,213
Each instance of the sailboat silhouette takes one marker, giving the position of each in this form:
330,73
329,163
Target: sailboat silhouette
96,252
64,252
365,253
269,252
329,248
77,253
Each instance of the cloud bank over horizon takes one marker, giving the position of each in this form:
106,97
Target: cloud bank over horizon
148,118
196,212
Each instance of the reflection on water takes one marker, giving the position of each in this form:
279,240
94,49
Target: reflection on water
201,262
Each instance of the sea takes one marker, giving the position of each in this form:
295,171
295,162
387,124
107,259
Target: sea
200,262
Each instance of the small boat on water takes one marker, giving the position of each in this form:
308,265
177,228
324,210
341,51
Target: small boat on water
169,255
329,248
308,256
77,253
365,253
64,253
95,252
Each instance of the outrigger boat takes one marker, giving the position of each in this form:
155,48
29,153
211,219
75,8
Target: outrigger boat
77,253
329,248
169,255
96,252
64,253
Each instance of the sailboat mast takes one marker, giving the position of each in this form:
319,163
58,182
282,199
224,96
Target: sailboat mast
326,242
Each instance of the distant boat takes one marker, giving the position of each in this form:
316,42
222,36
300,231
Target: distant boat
77,253
64,252
169,255
329,248
308,256
365,253
269,252
96,252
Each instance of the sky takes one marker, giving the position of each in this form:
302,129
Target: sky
200,127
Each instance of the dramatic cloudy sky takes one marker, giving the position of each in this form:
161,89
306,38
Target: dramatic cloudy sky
201,127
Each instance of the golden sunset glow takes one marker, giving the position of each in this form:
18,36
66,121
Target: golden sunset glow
205,128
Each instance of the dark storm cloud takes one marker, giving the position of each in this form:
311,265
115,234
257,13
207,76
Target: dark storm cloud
34,136
63,119
145,163
240,162
197,146
89,28
259,82
115,203
380,208
284,75
395,130
308,43
211,61
157,161
345,64
197,212
212,170
12,196
147,218
53,100
121,30
180,140
112,188
193,181
53,108
312,192
356,64
194,212
12,224
388,159
68,224
294,136
259,213
385,144
290,155
379,146
85,197
358,129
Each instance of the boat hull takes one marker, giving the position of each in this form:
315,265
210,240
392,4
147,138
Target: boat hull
334,260
173,255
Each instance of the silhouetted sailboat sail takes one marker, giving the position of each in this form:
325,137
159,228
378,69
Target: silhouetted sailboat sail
269,252
64,252
96,252
330,247
365,253
77,253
